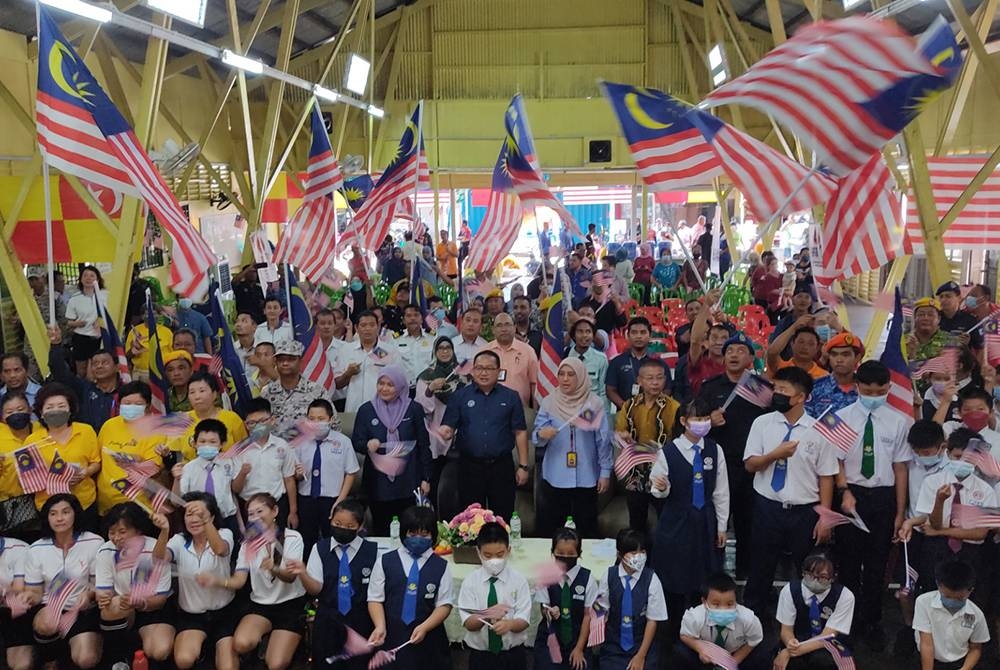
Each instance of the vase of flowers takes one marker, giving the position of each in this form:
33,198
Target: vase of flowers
464,529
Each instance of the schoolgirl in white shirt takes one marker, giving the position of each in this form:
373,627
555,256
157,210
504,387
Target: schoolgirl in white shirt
18,634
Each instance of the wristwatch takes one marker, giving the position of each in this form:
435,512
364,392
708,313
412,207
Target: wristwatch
524,466
843,489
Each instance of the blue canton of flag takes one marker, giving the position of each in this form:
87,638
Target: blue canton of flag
836,431
111,342
315,365
552,344
356,190
901,389
233,372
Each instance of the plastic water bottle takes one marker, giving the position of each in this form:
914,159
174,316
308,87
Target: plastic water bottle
570,523
394,532
120,665
515,531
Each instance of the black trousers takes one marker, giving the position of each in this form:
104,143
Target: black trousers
557,504
314,519
512,659
776,529
638,503
742,498
489,482
862,557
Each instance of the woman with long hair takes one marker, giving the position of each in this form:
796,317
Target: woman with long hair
82,312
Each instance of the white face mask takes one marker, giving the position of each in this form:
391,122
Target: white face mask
494,566
636,562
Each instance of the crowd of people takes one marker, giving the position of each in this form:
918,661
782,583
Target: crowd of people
459,386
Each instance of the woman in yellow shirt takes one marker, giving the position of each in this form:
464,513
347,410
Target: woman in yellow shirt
16,507
76,444
118,436
203,393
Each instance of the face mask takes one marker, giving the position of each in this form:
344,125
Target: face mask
19,420
960,469
185,303
824,331
261,431
700,428
131,412
696,256
815,585
872,402
976,421
971,302
567,563
781,402
938,387
952,604
56,418
722,617
416,544
356,285
343,535
929,461
636,562
321,428
207,452
494,566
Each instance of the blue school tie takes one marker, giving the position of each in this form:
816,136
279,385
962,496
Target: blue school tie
344,589
815,624
314,482
410,597
626,636
781,466
698,483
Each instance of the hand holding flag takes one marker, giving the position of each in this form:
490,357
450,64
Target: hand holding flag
828,519
712,654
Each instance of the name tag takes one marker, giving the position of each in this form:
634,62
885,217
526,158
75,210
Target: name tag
579,596
635,389
571,459
502,377
365,580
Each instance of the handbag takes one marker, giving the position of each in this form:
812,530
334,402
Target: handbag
17,511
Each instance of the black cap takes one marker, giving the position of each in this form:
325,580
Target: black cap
949,286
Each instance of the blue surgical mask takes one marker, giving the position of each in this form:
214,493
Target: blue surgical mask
929,461
207,452
439,314
721,617
961,469
185,303
356,285
872,402
824,331
131,412
971,302
952,604
416,544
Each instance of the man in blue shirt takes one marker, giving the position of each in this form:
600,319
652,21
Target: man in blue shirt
622,380
487,419
837,390
579,278
195,322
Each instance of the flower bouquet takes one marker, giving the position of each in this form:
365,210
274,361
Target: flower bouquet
463,530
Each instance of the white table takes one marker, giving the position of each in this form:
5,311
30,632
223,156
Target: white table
597,556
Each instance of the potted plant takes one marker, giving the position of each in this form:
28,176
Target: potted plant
461,532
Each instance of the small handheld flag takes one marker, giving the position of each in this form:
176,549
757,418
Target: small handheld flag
31,470
836,431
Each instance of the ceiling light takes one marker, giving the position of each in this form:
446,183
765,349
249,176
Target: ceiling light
242,62
84,9
325,93
717,65
356,79
851,4
190,11
377,112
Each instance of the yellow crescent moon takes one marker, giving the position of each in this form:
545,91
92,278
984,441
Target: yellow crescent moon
640,115
943,56
56,55
412,127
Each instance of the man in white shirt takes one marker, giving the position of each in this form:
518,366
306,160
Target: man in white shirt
359,363
273,329
950,629
414,346
873,485
793,470
468,342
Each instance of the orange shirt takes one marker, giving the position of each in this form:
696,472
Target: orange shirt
816,371
447,257
518,367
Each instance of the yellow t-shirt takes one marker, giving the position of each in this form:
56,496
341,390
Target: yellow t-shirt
140,361
10,485
116,435
235,432
81,450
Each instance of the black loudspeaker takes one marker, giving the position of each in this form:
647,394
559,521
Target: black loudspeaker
327,121
599,151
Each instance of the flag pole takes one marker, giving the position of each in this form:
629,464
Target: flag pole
418,141
288,296
538,234
49,253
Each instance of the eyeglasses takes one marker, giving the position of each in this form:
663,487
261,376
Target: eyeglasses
479,368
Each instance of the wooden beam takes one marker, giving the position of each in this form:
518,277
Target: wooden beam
920,182
249,195
776,20
683,47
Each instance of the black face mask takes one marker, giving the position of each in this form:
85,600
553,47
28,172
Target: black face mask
567,563
781,402
343,535
19,420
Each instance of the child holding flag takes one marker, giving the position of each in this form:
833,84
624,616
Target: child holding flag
561,641
720,620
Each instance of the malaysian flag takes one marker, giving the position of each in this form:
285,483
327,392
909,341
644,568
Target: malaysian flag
233,373
669,151
764,176
901,389
975,227
842,656
944,363
845,87
631,454
31,471
315,364
971,516
719,657
160,496
830,519
552,344
991,339
157,378
110,340
978,453
256,537
753,388
60,474
863,229
598,625
356,190
148,580
81,132
311,235
836,431
405,174
131,550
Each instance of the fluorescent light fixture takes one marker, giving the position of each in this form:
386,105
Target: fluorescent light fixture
356,79
242,62
717,65
851,4
84,9
190,11
377,112
325,93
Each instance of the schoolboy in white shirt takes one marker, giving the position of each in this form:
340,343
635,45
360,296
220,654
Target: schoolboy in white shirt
950,629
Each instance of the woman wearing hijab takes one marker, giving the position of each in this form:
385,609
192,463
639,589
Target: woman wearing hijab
434,386
395,267
572,427
390,430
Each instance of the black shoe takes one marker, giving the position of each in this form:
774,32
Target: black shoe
906,644
875,638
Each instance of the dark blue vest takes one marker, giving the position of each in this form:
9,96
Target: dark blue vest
640,594
577,608
361,572
827,606
395,586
